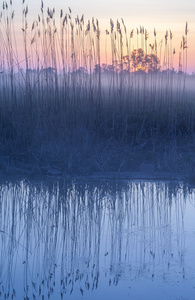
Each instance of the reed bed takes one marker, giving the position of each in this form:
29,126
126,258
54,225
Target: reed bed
62,106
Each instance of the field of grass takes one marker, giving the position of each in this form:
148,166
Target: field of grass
60,112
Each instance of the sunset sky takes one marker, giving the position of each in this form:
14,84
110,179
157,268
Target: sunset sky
163,15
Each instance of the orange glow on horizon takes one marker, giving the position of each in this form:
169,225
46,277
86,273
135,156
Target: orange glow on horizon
182,59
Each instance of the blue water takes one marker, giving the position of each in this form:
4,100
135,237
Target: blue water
97,240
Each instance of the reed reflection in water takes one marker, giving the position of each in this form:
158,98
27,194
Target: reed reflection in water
77,240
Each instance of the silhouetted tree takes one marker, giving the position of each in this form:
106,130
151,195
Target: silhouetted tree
142,62
97,69
138,59
152,63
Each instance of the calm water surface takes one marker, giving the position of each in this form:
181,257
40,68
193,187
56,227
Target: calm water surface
97,240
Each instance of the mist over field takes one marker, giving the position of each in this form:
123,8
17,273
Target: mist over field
67,108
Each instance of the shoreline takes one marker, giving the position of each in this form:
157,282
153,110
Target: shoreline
17,174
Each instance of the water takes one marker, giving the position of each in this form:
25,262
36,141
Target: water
97,240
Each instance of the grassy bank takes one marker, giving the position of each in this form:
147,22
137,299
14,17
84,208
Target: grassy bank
65,113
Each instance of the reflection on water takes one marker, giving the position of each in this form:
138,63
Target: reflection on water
77,240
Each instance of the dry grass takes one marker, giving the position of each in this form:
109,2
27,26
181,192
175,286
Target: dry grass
63,111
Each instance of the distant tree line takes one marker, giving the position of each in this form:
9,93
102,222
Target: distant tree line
138,61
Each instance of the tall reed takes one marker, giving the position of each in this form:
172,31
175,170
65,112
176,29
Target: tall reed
60,94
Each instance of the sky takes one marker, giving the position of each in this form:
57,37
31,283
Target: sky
163,15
